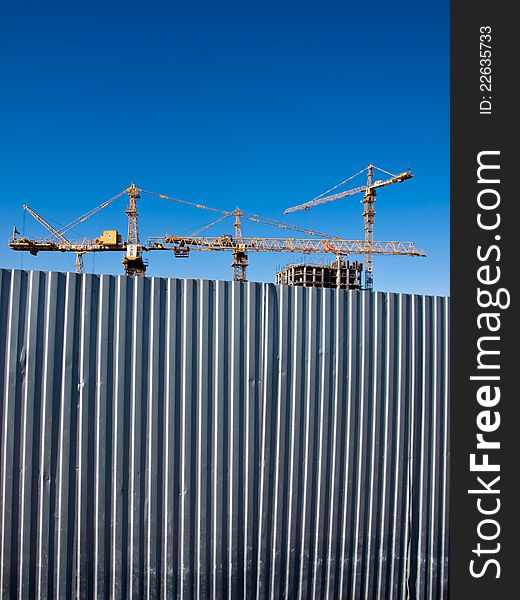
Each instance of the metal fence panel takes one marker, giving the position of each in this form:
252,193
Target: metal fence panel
208,439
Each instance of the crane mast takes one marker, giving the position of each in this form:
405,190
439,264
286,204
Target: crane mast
133,261
369,214
239,263
131,212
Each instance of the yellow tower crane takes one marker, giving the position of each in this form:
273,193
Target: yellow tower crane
369,213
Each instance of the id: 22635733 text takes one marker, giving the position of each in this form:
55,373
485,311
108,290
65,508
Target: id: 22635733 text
485,70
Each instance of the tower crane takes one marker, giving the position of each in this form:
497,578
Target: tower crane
369,191
237,244
241,246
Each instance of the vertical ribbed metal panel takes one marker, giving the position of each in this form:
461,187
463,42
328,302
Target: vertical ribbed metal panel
208,439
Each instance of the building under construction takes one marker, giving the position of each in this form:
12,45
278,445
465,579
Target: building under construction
340,274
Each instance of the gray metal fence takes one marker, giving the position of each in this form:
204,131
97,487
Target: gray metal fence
207,439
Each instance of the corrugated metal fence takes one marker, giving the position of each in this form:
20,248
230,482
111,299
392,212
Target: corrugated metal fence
206,439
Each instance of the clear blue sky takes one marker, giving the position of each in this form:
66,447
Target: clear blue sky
261,105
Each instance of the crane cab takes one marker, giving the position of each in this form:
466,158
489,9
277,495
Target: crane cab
133,261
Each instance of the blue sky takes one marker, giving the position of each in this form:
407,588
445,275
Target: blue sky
261,105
